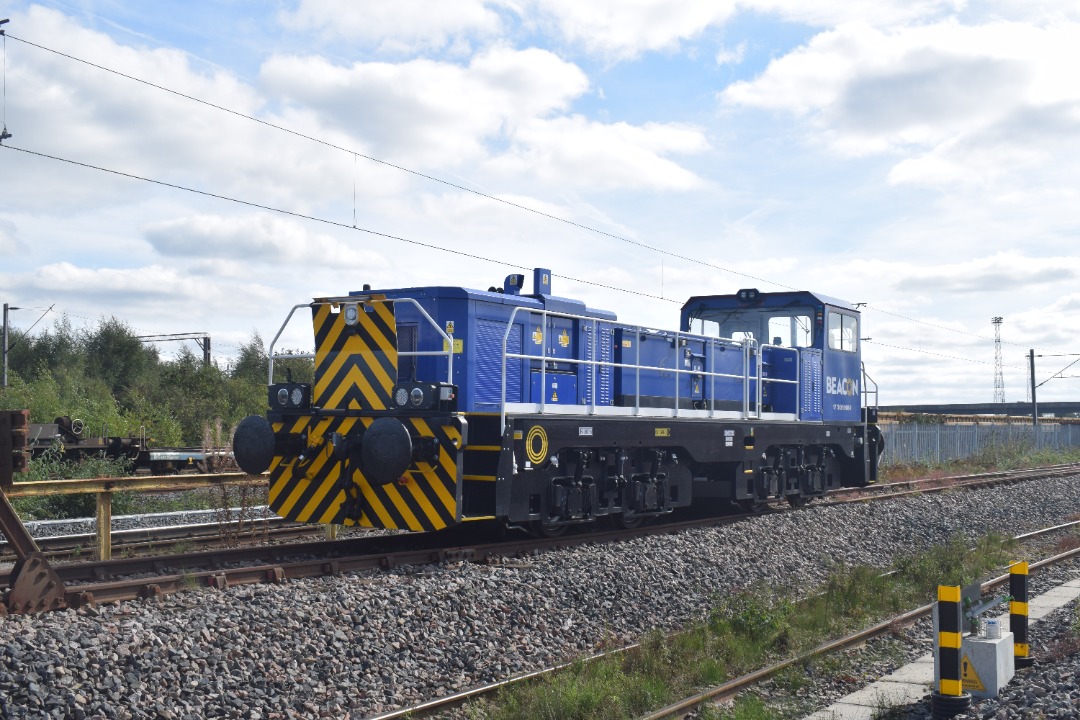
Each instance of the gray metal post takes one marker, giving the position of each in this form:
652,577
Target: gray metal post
4,384
1034,403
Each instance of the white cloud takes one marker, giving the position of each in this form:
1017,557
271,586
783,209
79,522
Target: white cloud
881,13
9,237
396,25
956,103
583,153
422,109
262,239
731,57
622,29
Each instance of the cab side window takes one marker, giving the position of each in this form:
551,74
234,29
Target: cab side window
843,331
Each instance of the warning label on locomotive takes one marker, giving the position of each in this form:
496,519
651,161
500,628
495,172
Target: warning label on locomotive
663,432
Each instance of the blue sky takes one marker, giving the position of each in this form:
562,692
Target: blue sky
921,157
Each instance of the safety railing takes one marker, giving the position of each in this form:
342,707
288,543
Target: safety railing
752,384
358,300
103,489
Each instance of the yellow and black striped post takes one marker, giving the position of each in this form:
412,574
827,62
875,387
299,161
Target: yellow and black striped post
949,634
1018,614
949,699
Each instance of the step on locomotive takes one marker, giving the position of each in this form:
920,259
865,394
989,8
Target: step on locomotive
435,406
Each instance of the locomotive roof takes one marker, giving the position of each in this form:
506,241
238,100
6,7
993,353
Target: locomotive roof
549,302
763,300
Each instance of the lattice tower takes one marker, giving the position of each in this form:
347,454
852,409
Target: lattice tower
999,375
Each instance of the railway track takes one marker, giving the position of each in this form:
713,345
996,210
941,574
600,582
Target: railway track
131,578
692,703
156,540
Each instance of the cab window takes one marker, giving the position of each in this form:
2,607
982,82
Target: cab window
790,331
843,331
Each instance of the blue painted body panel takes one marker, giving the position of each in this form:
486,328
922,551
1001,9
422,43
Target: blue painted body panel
810,380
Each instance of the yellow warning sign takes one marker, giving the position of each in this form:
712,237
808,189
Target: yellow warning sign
564,339
969,679
537,336
554,396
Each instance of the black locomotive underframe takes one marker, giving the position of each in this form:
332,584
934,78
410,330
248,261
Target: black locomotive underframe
560,470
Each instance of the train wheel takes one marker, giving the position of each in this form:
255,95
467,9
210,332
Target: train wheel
752,506
548,530
797,500
628,522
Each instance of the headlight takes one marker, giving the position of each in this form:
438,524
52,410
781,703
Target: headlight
290,395
410,396
352,314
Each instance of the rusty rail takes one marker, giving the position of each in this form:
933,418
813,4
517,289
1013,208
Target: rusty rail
33,584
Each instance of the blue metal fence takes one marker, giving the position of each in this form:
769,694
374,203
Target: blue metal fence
913,442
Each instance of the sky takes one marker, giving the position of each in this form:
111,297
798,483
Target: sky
918,156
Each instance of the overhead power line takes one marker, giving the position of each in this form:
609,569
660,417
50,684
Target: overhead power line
326,221
447,183
401,168
389,236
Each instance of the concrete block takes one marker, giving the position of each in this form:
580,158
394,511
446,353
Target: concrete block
986,664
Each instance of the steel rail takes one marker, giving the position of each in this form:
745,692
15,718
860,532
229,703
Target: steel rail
457,699
730,688
157,538
110,580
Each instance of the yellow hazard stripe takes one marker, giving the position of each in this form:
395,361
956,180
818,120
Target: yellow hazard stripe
422,500
373,502
479,478
402,507
950,687
948,593
949,640
1020,649
1019,568
373,330
355,378
1018,608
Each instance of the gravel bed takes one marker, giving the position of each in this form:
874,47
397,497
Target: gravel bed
808,690
368,642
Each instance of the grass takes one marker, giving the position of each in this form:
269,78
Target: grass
1005,456
745,630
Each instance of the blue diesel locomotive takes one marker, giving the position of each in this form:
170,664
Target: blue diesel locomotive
439,405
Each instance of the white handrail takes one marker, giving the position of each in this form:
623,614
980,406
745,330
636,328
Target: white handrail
448,339
637,330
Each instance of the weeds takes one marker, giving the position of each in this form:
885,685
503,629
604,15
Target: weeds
745,630
1008,455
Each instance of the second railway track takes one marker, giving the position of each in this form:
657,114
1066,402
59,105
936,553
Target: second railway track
381,640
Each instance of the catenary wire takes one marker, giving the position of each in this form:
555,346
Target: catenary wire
326,221
402,168
395,237
463,188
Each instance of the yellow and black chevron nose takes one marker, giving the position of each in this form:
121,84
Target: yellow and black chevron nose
426,497
355,371
355,363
